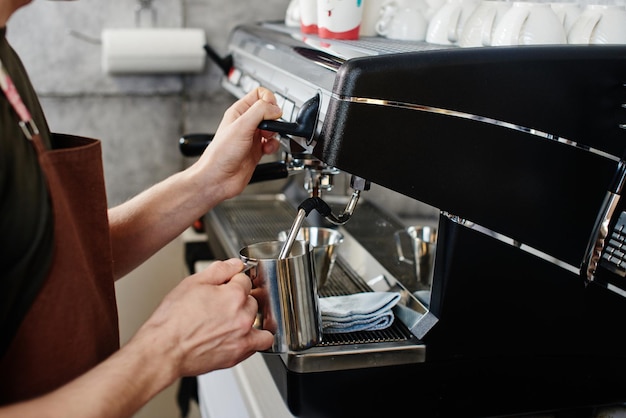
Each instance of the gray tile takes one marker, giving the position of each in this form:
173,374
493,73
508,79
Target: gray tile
140,117
139,137
218,18
63,64
204,115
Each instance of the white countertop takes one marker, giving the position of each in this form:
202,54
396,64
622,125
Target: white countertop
244,391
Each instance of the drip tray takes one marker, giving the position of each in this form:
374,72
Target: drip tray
247,219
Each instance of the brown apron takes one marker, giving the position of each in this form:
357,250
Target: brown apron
72,324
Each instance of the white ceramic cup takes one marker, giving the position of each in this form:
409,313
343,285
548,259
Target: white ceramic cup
431,8
402,21
292,15
599,24
529,23
478,30
372,10
446,25
308,16
339,19
567,12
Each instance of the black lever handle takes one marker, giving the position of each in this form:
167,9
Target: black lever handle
305,123
225,63
269,171
192,145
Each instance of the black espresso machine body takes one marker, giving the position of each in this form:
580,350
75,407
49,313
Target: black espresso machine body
521,149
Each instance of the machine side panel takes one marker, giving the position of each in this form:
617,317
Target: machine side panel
542,193
524,141
572,92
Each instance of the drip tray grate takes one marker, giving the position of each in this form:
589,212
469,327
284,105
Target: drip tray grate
248,221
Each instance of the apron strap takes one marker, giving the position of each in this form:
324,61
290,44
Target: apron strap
25,122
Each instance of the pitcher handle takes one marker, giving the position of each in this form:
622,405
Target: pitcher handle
247,266
399,250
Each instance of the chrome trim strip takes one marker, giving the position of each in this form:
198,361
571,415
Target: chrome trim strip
616,289
514,243
623,125
463,115
598,237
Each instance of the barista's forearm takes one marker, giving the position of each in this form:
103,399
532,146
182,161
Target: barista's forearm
143,225
116,388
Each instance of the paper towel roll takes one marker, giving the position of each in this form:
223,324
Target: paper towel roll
153,50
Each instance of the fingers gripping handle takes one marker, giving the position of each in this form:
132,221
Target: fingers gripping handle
305,123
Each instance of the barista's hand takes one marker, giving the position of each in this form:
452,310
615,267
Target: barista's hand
238,144
206,322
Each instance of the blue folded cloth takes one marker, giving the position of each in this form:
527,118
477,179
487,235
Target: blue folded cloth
368,311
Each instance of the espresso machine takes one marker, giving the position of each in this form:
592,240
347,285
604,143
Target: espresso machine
521,150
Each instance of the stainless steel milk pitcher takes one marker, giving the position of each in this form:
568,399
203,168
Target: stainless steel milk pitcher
286,290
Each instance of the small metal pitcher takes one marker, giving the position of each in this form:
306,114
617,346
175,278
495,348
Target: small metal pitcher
286,291
324,242
424,243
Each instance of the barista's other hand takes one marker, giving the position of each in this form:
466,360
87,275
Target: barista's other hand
238,144
206,322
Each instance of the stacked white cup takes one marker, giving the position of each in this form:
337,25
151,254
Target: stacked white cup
446,25
372,10
403,20
479,28
502,23
475,23
529,23
567,11
599,24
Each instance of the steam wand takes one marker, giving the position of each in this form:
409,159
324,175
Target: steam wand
322,207
303,210
293,232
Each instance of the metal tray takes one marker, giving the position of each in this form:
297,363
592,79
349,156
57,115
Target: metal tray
253,218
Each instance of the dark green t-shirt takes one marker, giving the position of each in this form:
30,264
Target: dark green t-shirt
26,220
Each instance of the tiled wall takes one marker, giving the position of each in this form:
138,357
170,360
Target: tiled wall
139,118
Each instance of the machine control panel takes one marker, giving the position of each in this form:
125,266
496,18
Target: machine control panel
238,79
614,255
